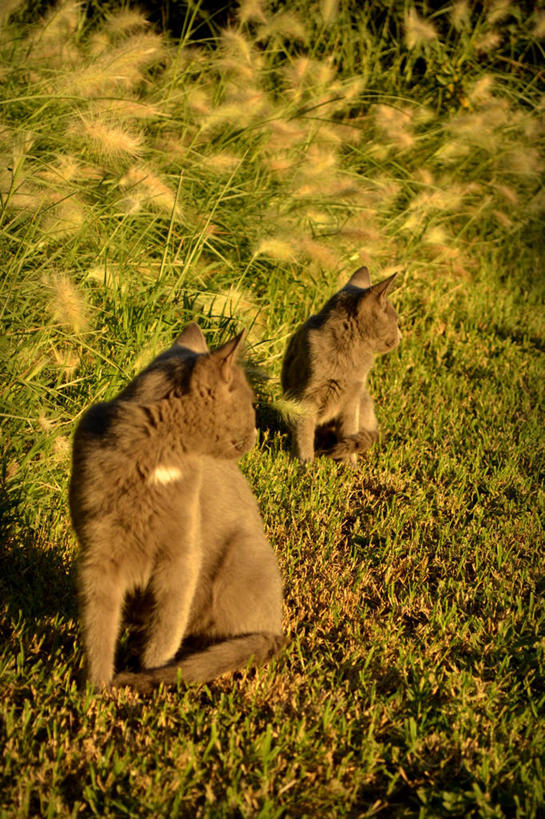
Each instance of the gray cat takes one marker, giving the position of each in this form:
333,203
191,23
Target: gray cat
167,523
327,362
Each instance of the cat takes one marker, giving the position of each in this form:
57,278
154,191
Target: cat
327,362
167,522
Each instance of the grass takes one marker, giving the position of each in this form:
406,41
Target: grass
238,181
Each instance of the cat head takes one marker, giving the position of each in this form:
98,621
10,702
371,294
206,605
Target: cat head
200,396
375,318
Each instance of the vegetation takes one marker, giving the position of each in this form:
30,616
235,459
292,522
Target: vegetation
239,180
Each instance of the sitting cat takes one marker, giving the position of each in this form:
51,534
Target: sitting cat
160,508
327,362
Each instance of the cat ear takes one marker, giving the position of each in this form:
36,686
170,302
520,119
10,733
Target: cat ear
381,289
192,338
360,278
227,354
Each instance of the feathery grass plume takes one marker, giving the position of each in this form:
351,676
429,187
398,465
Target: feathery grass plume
525,161
199,98
436,235
65,217
251,11
279,163
66,360
306,77
224,162
105,140
487,42
285,134
322,257
452,151
507,193
145,188
538,30
329,10
395,124
66,169
236,54
121,66
417,30
66,303
276,247
124,22
285,25
61,22
241,107
460,14
441,199
478,128
481,90
231,303
503,219
498,10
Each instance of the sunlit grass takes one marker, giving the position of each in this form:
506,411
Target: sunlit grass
238,182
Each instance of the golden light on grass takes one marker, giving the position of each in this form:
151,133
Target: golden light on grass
66,303
417,30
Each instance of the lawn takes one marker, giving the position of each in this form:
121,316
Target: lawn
237,176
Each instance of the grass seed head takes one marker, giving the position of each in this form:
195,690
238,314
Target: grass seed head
107,141
276,247
251,11
125,22
460,14
329,10
145,188
284,25
417,30
487,42
498,11
66,303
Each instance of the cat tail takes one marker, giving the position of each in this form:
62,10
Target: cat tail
353,444
203,666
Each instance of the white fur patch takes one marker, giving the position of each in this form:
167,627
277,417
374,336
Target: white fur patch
164,474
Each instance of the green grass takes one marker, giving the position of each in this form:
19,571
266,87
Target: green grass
238,181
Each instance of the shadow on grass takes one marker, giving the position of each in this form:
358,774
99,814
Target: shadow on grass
37,590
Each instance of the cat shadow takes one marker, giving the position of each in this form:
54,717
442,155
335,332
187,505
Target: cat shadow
34,580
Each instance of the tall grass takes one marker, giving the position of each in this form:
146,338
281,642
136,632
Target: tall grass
239,180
